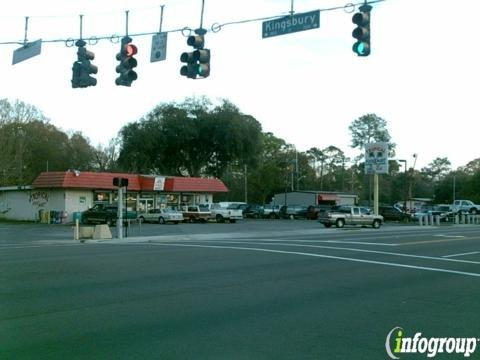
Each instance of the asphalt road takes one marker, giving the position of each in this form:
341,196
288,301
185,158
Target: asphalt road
285,290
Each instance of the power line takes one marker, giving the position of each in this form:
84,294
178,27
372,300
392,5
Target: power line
186,31
350,7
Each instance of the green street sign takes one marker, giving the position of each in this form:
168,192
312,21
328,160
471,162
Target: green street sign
291,23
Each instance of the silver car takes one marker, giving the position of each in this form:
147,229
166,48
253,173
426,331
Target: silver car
161,216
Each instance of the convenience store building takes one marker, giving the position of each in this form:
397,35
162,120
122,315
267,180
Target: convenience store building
74,191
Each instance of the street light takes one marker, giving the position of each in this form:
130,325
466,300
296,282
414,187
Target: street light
412,177
298,180
404,186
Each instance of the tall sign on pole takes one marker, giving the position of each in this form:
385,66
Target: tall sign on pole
376,162
376,158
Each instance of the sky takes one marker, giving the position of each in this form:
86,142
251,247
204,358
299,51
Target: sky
305,87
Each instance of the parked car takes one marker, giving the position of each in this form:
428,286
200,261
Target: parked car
292,212
271,211
444,211
161,216
253,211
195,213
221,214
313,211
105,214
394,213
233,204
465,206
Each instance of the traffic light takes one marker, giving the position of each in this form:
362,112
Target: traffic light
203,57
127,63
197,61
362,32
83,69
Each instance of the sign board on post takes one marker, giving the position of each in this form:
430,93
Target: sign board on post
159,47
376,158
291,23
27,51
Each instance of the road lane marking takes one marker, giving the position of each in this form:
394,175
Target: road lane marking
358,242
15,246
451,236
324,241
437,241
443,258
324,257
464,254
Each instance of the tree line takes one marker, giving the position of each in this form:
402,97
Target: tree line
198,138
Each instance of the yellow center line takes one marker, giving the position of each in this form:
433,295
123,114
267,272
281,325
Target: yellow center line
437,241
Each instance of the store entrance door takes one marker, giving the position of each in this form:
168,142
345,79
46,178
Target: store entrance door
144,205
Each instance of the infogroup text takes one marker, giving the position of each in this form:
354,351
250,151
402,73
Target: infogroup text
397,343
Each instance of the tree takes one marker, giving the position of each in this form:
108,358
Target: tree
365,130
31,145
268,175
368,129
472,167
80,153
318,155
105,157
437,169
193,138
19,112
335,167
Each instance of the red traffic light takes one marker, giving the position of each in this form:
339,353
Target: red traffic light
130,50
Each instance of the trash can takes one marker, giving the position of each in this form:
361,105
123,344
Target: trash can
53,216
77,215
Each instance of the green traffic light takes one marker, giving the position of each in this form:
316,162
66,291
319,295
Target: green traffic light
361,48
203,70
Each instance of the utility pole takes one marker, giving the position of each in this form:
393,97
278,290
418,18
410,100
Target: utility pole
454,184
296,166
120,213
245,188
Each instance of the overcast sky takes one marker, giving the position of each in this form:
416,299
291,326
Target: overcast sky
306,88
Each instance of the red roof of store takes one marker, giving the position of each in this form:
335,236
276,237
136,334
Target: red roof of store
183,184
104,181
83,180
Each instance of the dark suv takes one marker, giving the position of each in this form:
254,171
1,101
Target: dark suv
253,211
292,212
394,213
313,211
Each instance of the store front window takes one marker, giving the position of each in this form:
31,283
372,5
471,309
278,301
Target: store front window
101,197
172,200
130,200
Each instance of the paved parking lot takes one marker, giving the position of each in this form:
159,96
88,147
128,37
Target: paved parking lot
27,232
253,290
34,232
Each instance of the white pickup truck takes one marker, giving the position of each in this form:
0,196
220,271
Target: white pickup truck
465,206
221,214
